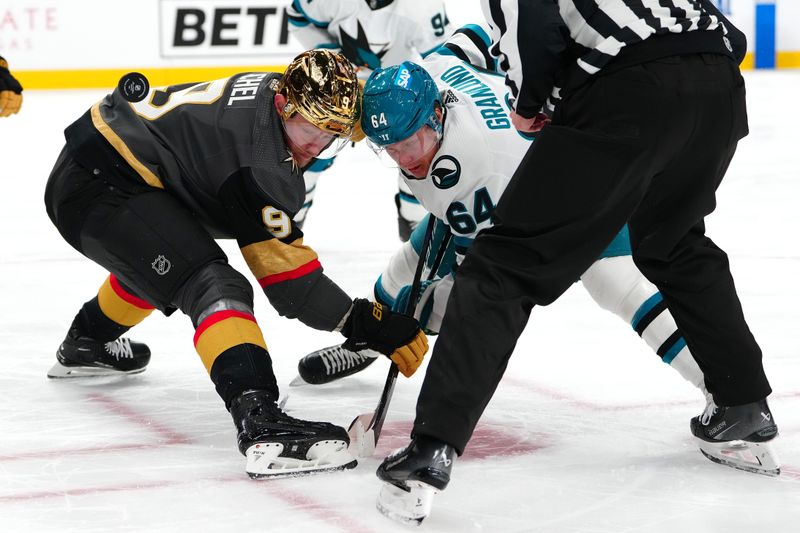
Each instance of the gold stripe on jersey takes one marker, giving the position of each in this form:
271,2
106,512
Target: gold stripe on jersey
267,258
224,335
122,148
118,309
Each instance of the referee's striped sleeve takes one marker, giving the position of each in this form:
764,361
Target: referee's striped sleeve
531,57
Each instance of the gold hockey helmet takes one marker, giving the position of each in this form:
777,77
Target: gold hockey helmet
322,86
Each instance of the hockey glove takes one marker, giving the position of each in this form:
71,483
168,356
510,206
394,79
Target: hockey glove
374,326
10,91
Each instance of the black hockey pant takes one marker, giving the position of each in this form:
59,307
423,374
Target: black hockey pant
647,145
162,253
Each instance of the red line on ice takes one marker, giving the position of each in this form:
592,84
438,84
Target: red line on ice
556,394
167,437
84,491
119,408
313,506
488,440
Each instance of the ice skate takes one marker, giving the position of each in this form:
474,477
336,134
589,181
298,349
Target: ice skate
80,356
332,363
277,445
412,476
739,437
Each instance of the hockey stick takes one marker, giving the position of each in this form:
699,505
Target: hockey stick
366,428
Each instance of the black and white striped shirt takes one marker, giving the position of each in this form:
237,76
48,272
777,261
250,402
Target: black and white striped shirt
545,43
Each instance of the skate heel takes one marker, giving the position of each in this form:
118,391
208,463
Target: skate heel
409,504
755,457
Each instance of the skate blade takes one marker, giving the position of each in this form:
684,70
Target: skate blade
362,440
59,371
298,382
409,507
264,460
755,457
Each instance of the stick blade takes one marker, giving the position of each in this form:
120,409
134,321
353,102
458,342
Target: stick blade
362,436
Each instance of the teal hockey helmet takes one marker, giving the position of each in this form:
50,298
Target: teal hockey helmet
397,101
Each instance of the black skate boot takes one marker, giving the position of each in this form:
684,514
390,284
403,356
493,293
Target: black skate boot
412,476
276,444
81,356
332,363
738,436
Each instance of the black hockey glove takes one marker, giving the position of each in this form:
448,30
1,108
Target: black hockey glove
374,326
10,91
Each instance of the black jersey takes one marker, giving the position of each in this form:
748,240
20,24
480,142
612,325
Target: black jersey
218,147
190,138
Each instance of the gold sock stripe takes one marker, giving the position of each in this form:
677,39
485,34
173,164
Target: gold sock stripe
225,334
117,309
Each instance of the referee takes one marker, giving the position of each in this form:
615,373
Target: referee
650,105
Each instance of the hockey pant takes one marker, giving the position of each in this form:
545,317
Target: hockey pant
160,256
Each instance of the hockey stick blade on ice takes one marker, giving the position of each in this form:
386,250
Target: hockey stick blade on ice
365,429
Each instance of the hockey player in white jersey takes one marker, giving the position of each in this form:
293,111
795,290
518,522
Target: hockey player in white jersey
448,127
471,161
371,34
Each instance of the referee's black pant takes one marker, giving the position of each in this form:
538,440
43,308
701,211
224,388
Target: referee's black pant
648,145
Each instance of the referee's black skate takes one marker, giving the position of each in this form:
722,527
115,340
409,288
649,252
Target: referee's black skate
81,356
412,476
277,444
739,437
332,363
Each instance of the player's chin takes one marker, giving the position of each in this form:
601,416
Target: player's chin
418,171
304,157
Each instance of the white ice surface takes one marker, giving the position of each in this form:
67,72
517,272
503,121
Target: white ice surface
588,432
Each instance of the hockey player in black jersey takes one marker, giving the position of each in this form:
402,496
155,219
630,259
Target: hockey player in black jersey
143,189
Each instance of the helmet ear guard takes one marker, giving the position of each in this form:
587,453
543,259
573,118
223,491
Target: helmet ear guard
397,101
323,88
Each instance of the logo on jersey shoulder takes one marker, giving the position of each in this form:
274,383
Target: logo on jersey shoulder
449,97
161,265
727,43
445,172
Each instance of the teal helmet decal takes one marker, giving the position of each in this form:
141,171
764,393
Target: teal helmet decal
397,101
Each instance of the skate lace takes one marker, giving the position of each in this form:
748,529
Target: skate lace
711,410
120,349
337,359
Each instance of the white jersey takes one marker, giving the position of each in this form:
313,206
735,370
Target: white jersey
371,33
480,148
479,153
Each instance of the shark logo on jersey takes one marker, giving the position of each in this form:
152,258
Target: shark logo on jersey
445,172
359,50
